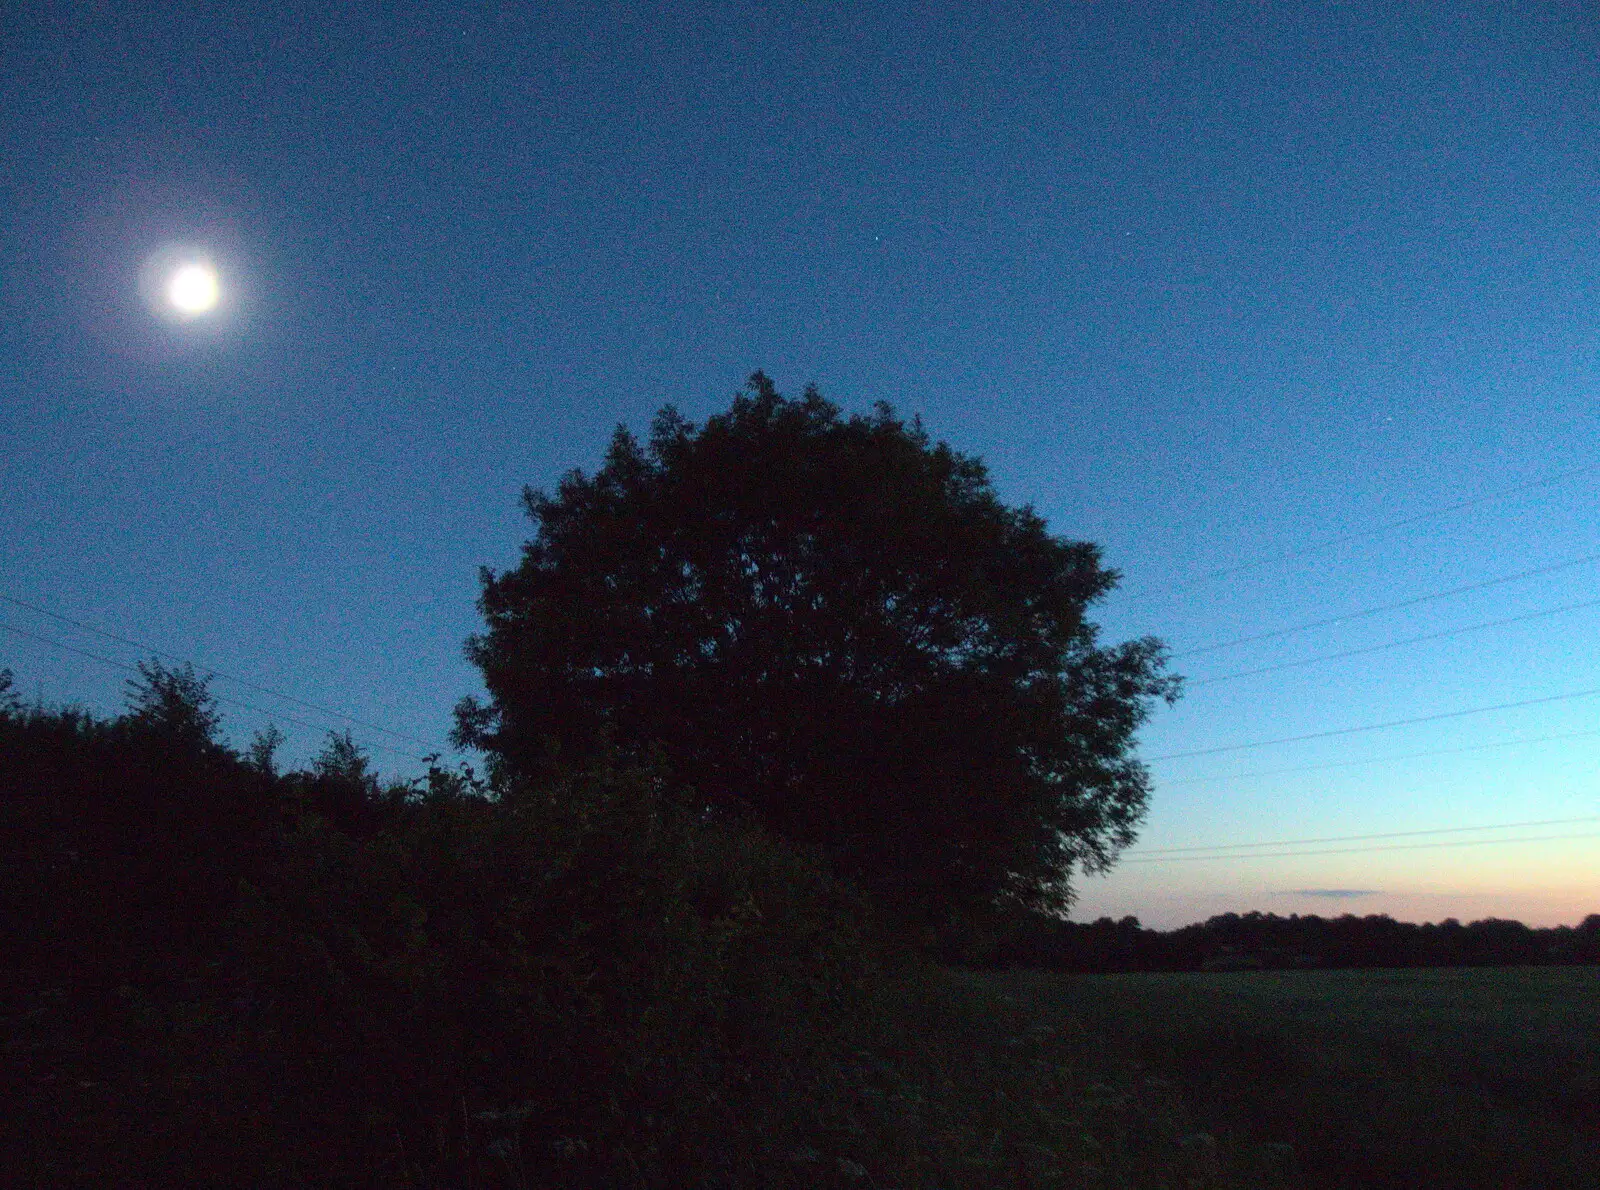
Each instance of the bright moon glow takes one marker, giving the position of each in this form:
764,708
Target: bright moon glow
193,289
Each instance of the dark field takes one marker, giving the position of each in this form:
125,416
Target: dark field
1446,1078
944,1078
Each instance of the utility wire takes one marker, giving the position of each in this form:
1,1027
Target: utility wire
1190,684
1363,534
1321,735
1347,764
217,673
1444,830
1178,859
219,697
1389,607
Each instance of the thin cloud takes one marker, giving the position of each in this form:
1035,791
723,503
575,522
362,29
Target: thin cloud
1337,894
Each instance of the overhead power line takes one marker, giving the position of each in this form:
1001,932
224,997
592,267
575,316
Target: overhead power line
1443,830
217,673
1363,534
1322,735
1390,607
219,697
1347,764
1178,859
1190,684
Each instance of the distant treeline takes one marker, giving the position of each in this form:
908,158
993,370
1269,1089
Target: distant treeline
1232,941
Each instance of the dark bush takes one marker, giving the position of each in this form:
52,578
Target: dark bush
224,976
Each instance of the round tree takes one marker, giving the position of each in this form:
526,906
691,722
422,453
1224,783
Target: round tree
839,628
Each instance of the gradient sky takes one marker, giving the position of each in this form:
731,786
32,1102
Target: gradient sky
1210,284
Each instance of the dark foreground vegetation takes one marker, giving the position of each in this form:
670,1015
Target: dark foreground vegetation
220,975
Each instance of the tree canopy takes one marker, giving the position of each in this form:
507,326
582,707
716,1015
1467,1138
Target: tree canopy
839,627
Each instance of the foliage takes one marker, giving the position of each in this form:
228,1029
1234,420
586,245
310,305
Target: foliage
572,981
839,627
262,754
564,957
174,704
122,842
559,961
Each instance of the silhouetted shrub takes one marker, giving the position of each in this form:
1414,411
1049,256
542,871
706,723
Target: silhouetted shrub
322,981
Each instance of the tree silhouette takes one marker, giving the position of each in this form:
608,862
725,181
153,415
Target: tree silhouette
175,704
262,755
839,627
342,759
341,785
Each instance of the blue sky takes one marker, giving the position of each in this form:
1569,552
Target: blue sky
1209,284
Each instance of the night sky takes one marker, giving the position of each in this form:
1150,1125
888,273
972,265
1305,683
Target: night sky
1254,288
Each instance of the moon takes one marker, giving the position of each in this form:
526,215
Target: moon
186,285
192,289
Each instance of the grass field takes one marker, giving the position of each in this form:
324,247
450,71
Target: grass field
942,1078
1415,1078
